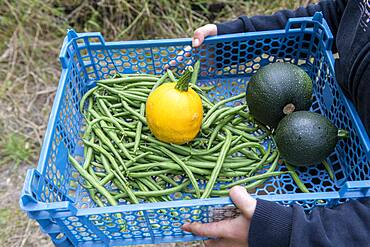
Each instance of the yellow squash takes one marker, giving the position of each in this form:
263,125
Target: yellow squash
174,111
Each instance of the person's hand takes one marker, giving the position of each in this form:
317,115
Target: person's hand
202,32
228,233
199,35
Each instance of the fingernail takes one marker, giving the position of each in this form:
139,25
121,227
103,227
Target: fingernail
196,42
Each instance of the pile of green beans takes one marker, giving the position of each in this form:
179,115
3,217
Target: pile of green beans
124,161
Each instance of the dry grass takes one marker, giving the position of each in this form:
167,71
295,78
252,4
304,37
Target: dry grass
31,32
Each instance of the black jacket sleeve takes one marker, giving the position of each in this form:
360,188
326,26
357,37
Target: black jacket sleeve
275,225
332,11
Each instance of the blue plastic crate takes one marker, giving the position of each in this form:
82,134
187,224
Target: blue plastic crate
53,196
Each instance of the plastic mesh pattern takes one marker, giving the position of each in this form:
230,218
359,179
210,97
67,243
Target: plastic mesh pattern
226,63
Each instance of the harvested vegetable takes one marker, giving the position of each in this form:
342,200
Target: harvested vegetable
306,138
174,111
278,89
124,162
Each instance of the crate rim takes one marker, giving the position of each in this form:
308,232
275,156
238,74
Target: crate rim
351,189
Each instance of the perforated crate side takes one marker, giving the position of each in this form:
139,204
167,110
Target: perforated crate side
52,193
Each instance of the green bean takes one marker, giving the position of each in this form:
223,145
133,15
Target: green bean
249,154
147,174
256,177
128,101
169,166
136,92
142,187
239,132
196,88
96,164
209,113
328,169
168,180
106,97
226,191
152,156
92,181
95,175
207,123
205,152
144,167
296,178
207,132
127,80
114,137
122,114
234,142
85,96
263,160
148,181
194,76
242,168
133,112
218,166
105,163
107,168
176,148
89,156
171,76
183,166
168,191
244,127
236,121
146,91
133,96
106,179
216,130
107,142
205,101
129,192
112,90
207,88
234,173
107,155
249,186
137,74
137,158
241,146
146,84
211,165
96,199
139,128
231,111
160,81
244,115
102,118
107,112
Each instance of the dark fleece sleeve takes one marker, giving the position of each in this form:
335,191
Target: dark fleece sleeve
332,11
345,225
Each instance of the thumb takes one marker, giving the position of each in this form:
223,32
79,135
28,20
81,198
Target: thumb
198,37
243,201
201,33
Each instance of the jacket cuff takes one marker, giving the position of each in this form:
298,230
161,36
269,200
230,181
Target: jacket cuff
271,225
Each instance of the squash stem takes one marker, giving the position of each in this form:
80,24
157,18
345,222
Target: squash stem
343,133
183,83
